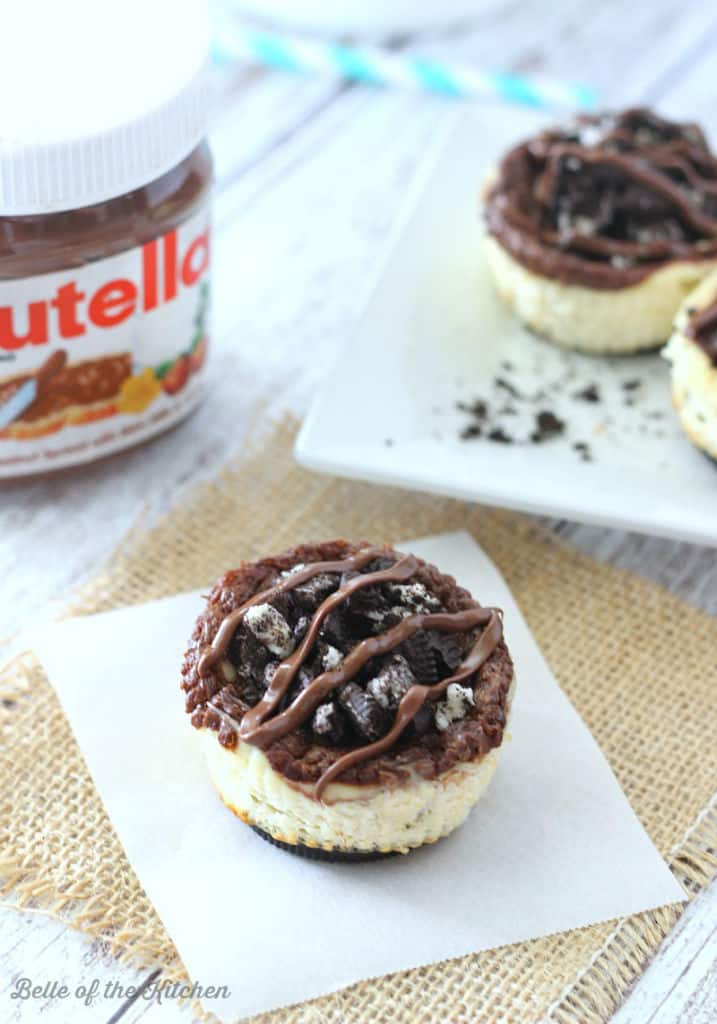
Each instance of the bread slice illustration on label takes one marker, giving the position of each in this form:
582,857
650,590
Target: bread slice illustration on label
19,394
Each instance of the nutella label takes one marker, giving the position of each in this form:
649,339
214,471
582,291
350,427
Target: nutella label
100,357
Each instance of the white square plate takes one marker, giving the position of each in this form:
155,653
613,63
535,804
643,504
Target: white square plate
435,335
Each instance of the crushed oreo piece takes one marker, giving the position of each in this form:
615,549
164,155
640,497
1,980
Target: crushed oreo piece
270,628
471,431
328,723
382,619
391,683
249,655
419,653
498,434
301,627
454,707
365,714
583,449
413,596
270,672
301,681
547,425
501,382
314,591
365,600
331,658
590,393
334,630
477,409
448,647
284,605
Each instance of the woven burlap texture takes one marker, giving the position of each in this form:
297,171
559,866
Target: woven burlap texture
637,663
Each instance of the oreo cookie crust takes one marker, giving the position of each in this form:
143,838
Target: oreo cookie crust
350,698
327,856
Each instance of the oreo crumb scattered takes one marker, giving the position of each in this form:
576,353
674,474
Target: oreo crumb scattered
547,425
501,382
588,394
583,450
521,406
471,431
498,434
478,409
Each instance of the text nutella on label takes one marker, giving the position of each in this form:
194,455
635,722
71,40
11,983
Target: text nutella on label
59,307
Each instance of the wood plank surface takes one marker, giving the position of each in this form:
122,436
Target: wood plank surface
310,175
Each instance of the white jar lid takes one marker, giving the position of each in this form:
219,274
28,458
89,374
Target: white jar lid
97,98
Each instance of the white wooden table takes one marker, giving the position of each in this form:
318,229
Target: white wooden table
310,176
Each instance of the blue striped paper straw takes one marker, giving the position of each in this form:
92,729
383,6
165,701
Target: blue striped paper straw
379,67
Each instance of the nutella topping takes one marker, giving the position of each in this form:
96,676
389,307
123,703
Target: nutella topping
408,642
607,200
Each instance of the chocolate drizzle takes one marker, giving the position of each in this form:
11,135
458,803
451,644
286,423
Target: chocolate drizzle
413,700
271,719
358,561
607,200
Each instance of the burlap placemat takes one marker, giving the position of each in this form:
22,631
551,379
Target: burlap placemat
637,663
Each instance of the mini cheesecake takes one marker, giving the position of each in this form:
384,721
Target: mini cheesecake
350,699
692,351
597,231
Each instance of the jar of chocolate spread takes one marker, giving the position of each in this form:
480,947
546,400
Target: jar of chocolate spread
104,237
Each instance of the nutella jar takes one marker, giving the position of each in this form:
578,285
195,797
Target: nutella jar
104,233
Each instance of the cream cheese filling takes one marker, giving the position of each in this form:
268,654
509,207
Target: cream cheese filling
620,320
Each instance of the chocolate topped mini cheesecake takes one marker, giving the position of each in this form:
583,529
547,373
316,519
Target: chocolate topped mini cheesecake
692,351
599,229
351,698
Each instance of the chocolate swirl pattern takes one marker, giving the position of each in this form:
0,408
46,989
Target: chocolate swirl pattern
607,200
284,708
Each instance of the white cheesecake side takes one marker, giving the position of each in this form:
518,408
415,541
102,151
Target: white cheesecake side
694,377
616,321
